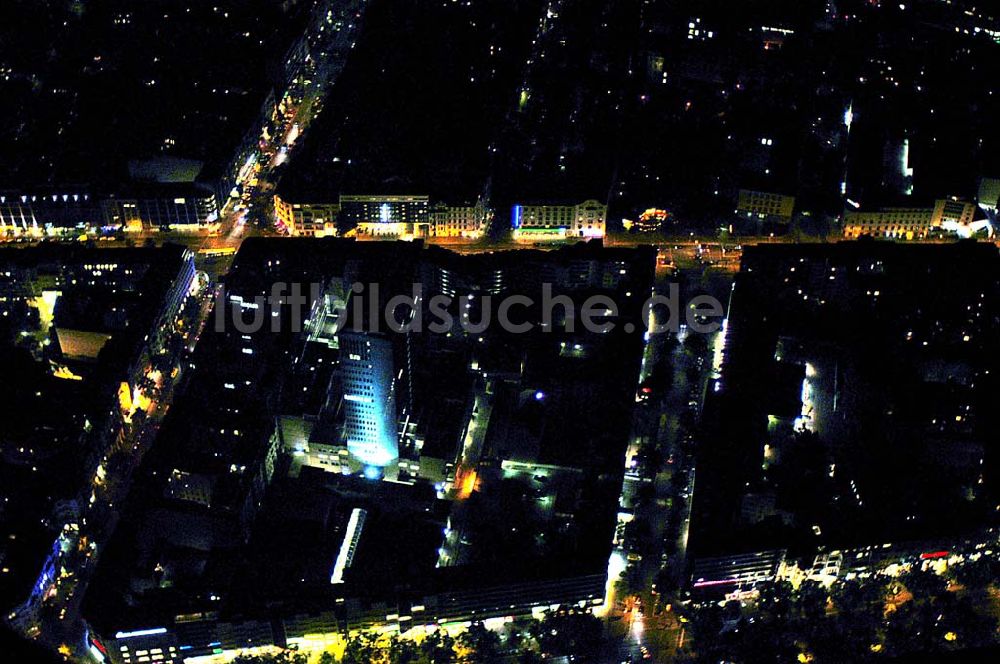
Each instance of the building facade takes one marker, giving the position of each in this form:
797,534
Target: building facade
205,635
48,214
306,219
177,207
910,223
898,223
765,205
369,398
387,216
383,217
558,222
989,194
458,221
187,208
950,211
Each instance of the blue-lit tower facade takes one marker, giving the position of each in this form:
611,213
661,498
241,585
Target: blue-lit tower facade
369,398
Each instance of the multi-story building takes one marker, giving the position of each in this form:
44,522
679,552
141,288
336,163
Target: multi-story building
387,216
369,398
989,194
202,636
950,212
959,218
765,205
897,174
177,207
910,223
458,221
893,222
557,222
306,219
741,571
50,213
183,207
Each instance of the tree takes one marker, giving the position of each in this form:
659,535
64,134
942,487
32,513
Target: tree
924,585
966,623
760,641
812,600
776,600
484,645
860,596
403,651
652,462
438,648
913,627
697,344
283,657
978,574
704,624
665,582
574,635
637,532
860,608
662,374
361,649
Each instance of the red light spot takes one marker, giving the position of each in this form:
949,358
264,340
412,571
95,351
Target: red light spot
934,554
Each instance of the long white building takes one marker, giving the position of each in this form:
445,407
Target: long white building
540,222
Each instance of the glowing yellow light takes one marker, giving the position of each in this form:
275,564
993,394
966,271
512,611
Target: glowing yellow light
125,398
465,480
140,401
65,373
46,305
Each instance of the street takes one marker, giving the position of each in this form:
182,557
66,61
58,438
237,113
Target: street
649,559
59,622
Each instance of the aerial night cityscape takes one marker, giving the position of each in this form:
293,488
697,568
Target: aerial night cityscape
499,331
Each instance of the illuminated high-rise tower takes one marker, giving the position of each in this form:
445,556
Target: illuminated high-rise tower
369,398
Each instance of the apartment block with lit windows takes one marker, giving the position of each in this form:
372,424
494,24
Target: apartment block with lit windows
458,221
176,207
306,219
388,216
910,223
765,205
556,222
